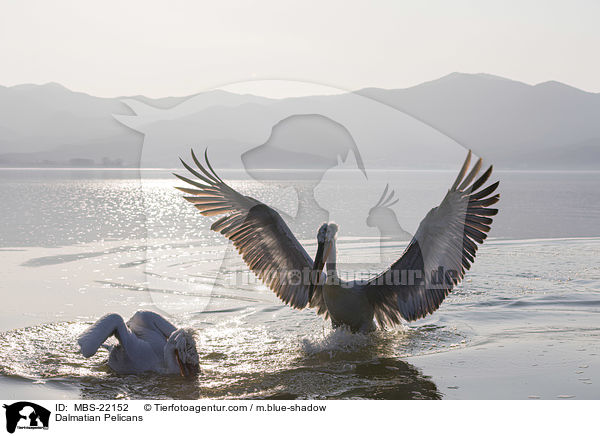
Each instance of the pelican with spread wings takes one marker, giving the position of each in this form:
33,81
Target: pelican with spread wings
435,260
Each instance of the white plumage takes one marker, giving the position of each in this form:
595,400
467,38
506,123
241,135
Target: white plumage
147,342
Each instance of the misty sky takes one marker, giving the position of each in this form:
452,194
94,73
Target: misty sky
165,48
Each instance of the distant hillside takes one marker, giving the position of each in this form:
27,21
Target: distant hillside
505,120
514,125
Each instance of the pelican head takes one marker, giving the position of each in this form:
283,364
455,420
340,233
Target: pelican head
325,238
181,354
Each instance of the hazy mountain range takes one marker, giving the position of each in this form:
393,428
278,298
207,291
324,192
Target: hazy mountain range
512,124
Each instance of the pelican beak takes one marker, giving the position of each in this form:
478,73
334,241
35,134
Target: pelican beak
320,259
181,367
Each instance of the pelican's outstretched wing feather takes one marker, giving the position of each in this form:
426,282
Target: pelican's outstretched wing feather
443,247
258,232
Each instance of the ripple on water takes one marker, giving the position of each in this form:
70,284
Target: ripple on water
239,360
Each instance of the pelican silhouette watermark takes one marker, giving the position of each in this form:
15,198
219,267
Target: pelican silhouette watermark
277,148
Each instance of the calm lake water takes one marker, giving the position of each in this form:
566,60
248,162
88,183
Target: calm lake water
76,244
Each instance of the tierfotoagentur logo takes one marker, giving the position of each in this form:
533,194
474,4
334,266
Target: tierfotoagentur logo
311,159
24,415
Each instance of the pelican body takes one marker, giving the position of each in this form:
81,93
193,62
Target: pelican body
147,342
435,260
349,306
347,303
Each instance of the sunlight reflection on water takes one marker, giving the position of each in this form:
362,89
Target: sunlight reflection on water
124,246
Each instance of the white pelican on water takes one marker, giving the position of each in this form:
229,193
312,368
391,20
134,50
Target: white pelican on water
147,342
443,247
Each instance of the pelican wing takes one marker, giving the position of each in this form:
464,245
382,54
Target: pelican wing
144,320
258,232
443,247
112,324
